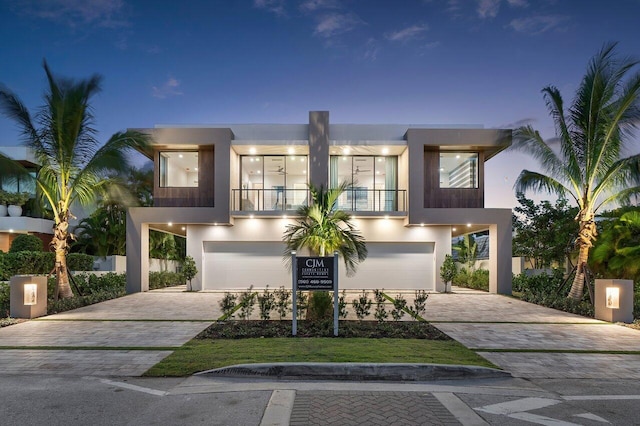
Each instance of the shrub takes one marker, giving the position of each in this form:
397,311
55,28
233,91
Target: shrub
283,297
320,306
266,303
478,279
342,305
165,279
189,270
28,263
25,242
380,313
80,262
419,303
362,305
228,305
301,304
246,301
399,305
4,300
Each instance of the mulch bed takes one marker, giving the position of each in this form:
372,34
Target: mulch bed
368,329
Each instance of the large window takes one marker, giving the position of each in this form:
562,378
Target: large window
273,182
458,170
179,169
374,182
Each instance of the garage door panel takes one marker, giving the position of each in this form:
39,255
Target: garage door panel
237,265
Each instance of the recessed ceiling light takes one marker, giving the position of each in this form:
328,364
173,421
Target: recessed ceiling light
180,156
468,225
196,169
453,229
346,150
457,156
290,150
252,151
170,223
385,151
183,228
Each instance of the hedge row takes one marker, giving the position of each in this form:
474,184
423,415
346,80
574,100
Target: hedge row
39,262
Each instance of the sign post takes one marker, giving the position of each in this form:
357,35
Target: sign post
314,273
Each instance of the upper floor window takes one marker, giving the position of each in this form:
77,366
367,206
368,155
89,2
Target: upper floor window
179,169
458,170
373,179
273,182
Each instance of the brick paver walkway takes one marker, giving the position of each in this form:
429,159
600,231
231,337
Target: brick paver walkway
317,408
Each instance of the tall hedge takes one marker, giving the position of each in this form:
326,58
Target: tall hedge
40,262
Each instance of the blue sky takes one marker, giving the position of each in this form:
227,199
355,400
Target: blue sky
271,61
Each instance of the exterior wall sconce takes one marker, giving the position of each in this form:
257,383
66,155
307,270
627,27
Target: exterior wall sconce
614,300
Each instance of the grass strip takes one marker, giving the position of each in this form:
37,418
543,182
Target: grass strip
202,355
120,320
91,348
558,351
519,322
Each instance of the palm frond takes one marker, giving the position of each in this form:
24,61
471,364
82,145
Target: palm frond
539,182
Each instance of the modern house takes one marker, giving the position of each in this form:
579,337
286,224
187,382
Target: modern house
232,189
30,220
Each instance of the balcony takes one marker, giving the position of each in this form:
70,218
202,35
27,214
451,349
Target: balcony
359,200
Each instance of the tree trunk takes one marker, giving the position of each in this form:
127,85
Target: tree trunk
585,239
59,244
577,288
62,275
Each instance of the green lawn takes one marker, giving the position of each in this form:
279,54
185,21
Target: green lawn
201,355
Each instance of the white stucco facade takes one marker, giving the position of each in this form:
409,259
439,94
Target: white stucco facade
408,234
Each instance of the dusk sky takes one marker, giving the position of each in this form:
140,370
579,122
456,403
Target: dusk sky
443,62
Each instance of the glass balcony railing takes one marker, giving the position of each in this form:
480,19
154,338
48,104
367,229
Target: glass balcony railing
261,200
355,200
373,200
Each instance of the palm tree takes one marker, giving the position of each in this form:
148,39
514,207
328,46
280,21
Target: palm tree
323,229
73,165
593,135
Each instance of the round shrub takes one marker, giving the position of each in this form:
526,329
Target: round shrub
26,242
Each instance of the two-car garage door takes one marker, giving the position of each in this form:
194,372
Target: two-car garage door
390,265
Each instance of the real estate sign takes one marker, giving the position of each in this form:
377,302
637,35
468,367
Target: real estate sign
314,273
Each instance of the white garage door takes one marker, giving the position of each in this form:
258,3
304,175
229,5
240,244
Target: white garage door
394,266
237,265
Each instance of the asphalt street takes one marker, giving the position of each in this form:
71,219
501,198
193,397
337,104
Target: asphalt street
66,400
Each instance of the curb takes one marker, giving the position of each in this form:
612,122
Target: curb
357,371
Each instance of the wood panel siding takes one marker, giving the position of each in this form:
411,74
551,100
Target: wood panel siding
436,197
200,196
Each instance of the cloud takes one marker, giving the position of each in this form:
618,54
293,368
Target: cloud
273,6
171,87
406,34
488,8
102,13
537,24
518,3
332,24
371,50
313,5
